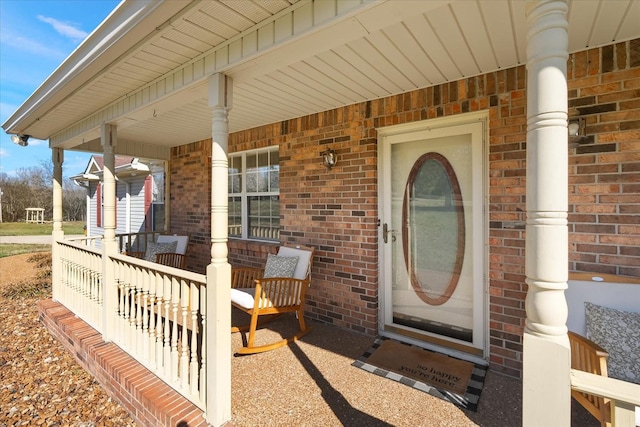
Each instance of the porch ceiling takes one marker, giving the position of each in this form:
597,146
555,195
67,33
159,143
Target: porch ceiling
288,58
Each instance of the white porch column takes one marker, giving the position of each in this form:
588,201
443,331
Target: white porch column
58,232
546,369
108,140
218,309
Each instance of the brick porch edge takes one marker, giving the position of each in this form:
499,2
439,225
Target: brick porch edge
150,401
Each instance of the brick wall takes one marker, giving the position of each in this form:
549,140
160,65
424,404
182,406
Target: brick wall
190,200
604,174
336,211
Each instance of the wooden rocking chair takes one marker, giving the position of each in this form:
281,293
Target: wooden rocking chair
257,295
590,357
171,259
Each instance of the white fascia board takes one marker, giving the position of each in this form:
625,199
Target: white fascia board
129,22
85,177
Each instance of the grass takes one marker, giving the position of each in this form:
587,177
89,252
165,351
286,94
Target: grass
30,229
11,249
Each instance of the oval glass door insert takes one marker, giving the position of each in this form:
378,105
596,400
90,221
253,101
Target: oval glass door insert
433,229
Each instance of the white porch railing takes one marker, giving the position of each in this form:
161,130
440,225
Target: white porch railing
159,317
80,287
624,396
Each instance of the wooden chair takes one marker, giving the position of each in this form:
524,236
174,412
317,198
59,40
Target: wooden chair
135,254
262,297
590,357
172,259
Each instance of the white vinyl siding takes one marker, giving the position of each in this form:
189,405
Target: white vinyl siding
94,230
121,207
136,194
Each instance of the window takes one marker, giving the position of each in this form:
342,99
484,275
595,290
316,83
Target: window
254,194
157,202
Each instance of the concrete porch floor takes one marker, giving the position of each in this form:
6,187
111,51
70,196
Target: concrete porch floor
308,383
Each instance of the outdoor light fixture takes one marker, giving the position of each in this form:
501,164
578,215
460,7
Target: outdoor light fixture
329,158
21,140
577,131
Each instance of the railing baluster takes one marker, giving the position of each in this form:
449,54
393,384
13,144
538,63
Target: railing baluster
203,346
184,348
175,300
167,332
145,316
193,365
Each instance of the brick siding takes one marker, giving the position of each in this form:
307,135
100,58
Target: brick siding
336,211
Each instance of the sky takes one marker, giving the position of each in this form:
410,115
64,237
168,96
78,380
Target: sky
35,38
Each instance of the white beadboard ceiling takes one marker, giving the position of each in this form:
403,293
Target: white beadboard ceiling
289,58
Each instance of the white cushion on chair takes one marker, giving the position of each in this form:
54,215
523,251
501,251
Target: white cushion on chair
243,297
304,257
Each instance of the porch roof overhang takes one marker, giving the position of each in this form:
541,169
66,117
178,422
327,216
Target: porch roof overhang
145,68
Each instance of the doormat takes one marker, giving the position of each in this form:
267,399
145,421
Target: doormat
454,380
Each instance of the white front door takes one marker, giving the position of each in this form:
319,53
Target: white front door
433,231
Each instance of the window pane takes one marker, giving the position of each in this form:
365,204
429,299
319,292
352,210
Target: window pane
274,179
235,174
157,219
235,216
263,172
252,173
158,187
264,217
274,171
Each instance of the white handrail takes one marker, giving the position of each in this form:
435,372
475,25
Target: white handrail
624,396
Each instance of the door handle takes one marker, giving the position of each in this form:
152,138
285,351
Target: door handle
385,233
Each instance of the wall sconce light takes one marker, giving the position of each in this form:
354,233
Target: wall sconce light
577,131
329,158
21,140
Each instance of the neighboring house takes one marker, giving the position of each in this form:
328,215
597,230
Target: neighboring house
140,195
455,209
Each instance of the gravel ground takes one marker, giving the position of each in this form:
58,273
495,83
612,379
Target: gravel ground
309,383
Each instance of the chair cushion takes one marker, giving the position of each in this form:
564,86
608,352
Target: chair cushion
243,297
280,266
618,332
158,248
304,258
181,242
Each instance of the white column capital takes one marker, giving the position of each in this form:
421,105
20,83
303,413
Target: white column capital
108,137
221,91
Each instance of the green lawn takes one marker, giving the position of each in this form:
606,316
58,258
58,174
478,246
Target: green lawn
11,249
30,229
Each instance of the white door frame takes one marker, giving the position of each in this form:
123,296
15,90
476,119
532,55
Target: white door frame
386,137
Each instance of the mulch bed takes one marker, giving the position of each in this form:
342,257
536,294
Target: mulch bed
40,383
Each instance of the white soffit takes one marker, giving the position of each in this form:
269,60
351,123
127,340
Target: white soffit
289,59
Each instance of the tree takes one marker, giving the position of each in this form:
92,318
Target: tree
32,188
74,204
